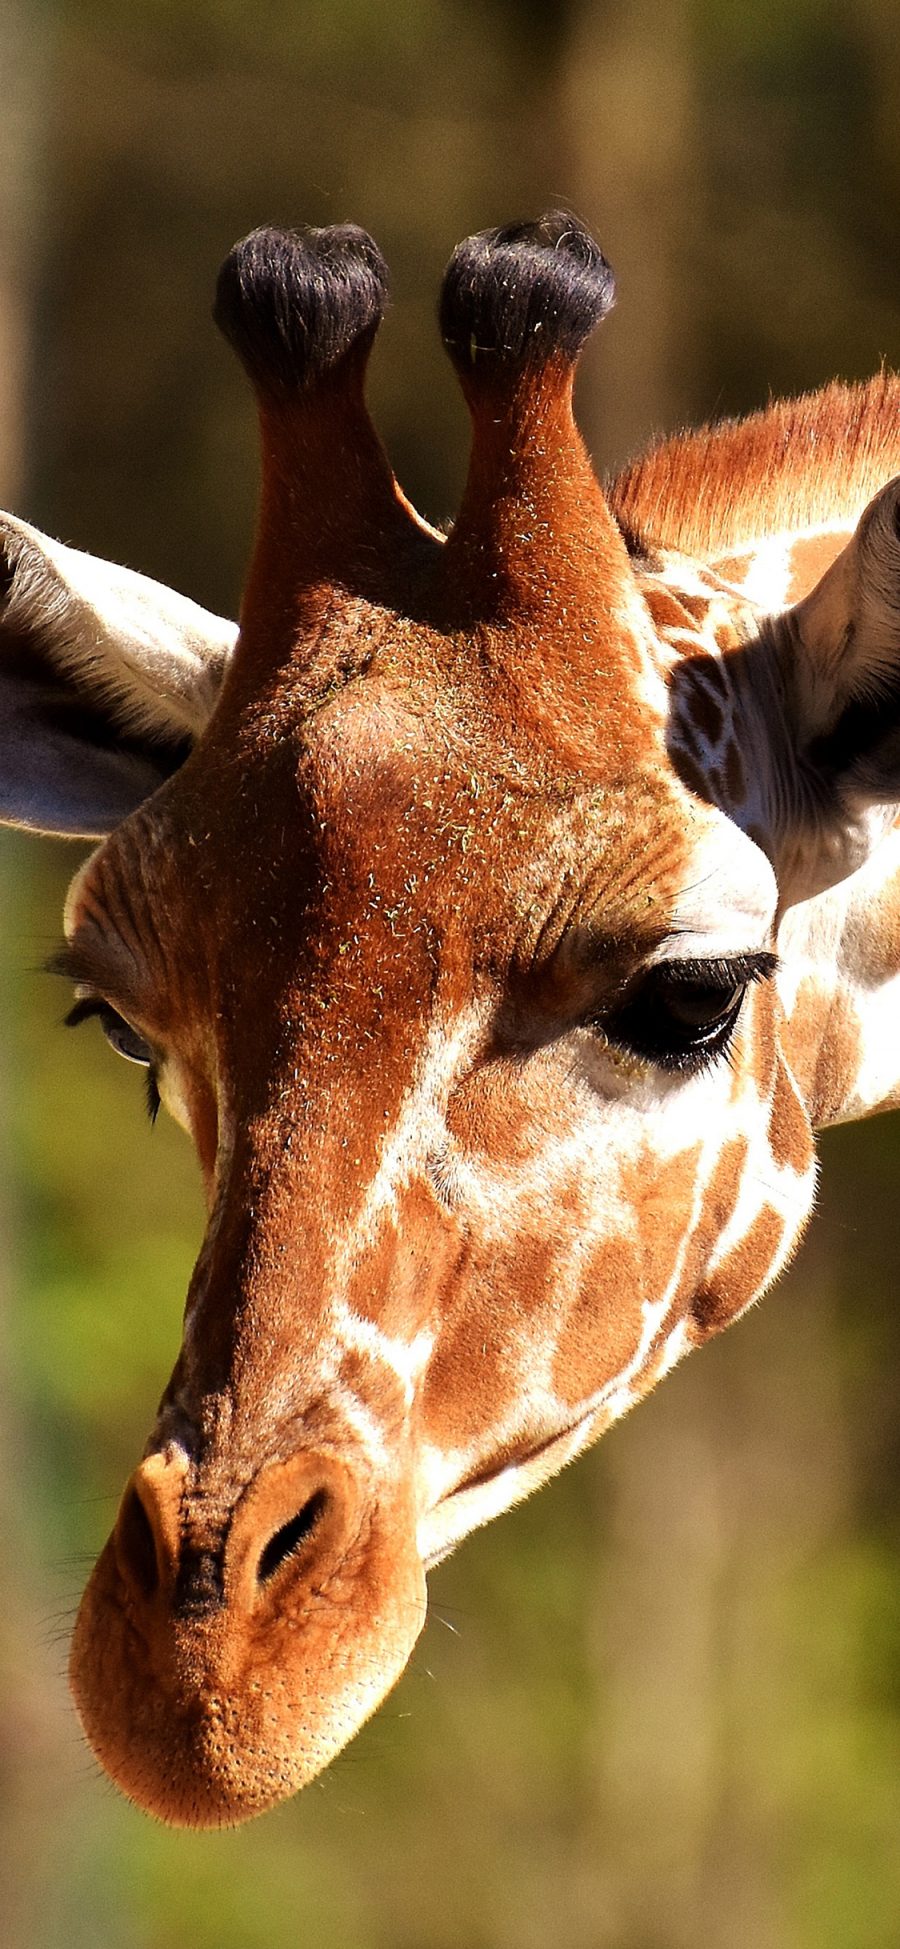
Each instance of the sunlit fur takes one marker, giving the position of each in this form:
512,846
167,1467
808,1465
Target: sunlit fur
454,801
803,466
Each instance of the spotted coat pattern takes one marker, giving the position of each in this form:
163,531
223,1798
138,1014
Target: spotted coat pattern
526,901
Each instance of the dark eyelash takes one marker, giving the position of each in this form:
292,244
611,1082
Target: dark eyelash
83,1010
727,971
152,1098
89,1006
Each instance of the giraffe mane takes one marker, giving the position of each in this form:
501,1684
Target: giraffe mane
800,464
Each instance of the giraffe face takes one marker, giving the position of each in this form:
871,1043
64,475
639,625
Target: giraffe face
481,1165
452,943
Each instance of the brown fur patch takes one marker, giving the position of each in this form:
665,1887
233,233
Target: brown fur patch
373,1382
803,1029
662,1199
740,1277
724,1185
822,1040
666,608
762,1045
790,1137
603,1326
476,1369
871,948
837,1069
719,1202
734,568
810,557
697,606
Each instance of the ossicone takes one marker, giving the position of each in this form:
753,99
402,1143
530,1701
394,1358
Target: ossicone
533,535
524,295
301,309
294,304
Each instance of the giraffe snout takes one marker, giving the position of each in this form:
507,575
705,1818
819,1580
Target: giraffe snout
223,1653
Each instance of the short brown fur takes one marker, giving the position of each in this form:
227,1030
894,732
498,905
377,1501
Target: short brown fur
461,964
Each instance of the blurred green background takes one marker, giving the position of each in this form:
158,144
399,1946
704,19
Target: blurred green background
659,1706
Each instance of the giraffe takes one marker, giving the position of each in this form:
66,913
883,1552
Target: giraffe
501,913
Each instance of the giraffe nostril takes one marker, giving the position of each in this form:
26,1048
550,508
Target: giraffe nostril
287,1540
137,1543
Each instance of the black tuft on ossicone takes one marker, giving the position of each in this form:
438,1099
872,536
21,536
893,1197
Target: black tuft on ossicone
293,303
524,294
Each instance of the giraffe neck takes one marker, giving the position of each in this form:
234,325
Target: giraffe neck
840,989
775,570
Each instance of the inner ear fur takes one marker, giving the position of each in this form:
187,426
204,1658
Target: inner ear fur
106,680
845,660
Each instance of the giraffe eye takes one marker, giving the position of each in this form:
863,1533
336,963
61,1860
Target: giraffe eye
682,1014
124,1039
119,1034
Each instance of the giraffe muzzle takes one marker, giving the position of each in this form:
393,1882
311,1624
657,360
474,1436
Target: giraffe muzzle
222,1656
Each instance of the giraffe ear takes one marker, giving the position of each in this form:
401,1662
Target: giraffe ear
842,684
106,679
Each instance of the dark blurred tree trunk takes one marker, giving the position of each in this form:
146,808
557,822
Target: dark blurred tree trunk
29,1719
730,1478
628,145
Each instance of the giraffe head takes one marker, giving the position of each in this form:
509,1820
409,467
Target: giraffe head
465,995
